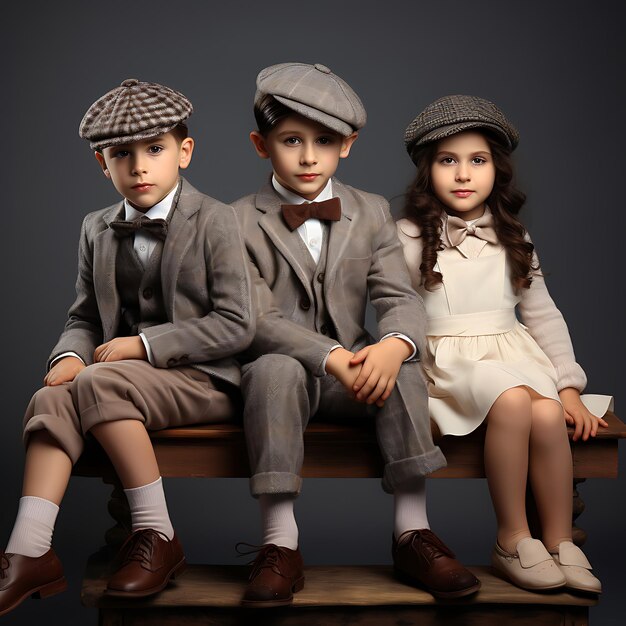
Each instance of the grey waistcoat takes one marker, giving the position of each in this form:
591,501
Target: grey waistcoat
140,291
316,317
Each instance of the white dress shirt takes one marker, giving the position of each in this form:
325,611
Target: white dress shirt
311,231
144,243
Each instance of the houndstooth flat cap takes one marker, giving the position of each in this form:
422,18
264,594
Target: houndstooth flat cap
314,92
135,110
453,114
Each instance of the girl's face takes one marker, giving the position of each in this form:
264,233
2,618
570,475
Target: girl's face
463,173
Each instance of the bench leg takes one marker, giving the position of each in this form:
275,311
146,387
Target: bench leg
120,512
579,536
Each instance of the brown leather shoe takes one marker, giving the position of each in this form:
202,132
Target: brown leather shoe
23,576
422,558
148,560
277,573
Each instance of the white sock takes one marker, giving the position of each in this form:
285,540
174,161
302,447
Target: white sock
410,507
34,524
148,508
278,520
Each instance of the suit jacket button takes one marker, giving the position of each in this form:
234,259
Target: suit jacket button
171,362
324,329
305,304
184,358
147,293
320,277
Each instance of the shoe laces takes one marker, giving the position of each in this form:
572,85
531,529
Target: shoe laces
267,556
432,546
5,563
139,546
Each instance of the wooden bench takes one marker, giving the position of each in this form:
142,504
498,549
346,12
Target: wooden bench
364,595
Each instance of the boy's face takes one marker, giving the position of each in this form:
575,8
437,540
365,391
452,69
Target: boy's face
145,171
304,153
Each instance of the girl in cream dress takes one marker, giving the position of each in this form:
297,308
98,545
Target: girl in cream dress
476,269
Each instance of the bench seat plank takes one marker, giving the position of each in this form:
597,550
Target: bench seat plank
339,451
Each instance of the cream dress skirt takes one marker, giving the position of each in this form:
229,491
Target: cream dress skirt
477,347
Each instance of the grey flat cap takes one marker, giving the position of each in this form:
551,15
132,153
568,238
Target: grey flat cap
453,114
314,92
135,110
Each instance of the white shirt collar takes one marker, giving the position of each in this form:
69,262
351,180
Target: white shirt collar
159,210
293,198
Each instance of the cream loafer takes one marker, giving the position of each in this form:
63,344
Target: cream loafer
574,565
531,567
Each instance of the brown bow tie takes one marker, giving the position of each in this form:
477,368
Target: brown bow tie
157,228
296,214
457,229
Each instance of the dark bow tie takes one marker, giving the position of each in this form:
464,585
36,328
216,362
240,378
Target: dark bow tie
457,229
296,214
157,228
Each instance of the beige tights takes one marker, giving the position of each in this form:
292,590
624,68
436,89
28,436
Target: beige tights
526,437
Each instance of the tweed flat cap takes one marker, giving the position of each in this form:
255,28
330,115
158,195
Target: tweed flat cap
314,92
133,111
453,114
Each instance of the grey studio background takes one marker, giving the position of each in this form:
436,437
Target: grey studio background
555,68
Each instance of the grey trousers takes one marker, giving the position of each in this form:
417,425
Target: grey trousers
280,396
107,392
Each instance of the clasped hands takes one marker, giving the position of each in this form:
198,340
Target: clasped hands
369,375
118,349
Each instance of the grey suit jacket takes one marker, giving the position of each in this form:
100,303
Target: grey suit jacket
206,289
364,258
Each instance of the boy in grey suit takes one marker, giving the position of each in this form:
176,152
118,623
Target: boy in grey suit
163,304
319,248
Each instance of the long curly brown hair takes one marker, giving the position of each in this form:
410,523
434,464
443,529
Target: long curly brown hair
505,202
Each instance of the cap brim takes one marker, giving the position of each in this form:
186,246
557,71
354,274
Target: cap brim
453,129
317,116
148,133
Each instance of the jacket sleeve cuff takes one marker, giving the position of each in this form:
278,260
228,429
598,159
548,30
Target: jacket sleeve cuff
62,356
326,357
404,338
146,345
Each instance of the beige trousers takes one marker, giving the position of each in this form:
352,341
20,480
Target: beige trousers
107,392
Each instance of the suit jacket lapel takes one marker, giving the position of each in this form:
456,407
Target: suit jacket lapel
286,241
180,235
104,257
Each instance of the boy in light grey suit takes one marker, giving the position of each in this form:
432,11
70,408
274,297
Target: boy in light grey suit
319,248
163,304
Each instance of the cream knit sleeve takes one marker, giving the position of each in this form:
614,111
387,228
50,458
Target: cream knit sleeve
546,325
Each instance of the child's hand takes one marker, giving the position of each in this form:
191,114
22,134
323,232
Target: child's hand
119,349
338,365
381,364
577,415
63,371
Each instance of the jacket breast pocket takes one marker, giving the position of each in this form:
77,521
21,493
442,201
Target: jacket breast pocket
355,271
